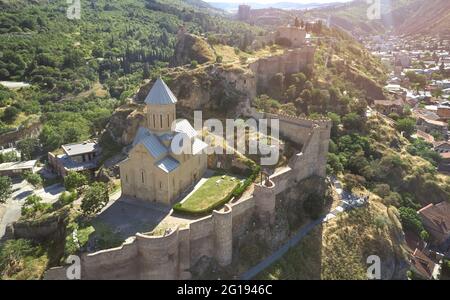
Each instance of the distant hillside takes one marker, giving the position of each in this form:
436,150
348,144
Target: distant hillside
281,5
402,16
112,40
424,17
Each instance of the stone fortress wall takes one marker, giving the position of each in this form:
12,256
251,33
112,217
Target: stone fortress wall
172,255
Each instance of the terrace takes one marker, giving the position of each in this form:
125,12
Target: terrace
209,193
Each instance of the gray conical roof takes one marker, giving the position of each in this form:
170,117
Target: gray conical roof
160,94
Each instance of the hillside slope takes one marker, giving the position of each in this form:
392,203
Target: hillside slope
424,17
403,16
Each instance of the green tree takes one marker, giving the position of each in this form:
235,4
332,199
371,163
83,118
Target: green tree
334,165
406,125
352,121
336,121
26,147
410,219
50,138
10,114
75,180
96,198
146,71
5,188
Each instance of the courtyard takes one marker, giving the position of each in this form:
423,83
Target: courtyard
209,193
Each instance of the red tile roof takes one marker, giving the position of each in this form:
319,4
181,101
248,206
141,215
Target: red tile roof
422,264
438,215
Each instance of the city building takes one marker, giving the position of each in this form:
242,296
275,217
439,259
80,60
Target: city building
244,12
389,106
436,220
17,168
430,126
423,266
78,157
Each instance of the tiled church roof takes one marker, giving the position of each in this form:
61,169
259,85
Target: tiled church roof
160,94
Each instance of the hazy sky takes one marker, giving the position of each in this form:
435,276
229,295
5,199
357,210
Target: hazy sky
275,1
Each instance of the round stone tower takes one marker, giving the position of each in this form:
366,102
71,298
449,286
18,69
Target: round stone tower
264,194
223,232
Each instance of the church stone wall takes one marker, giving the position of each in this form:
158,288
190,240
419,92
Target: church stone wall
171,256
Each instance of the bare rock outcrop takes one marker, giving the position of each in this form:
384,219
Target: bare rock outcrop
125,122
190,47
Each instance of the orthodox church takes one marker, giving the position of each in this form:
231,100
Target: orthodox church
152,171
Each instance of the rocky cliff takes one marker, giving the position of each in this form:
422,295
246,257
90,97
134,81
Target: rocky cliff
190,47
125,122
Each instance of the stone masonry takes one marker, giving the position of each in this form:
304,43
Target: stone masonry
172,255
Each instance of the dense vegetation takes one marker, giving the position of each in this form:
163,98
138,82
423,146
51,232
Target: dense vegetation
367,151
114,42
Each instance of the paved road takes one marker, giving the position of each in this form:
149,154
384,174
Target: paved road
11,210
295,239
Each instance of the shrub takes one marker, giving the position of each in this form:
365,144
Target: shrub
66,198
394,116
33,178
382,190
10,114
194,64
219,59
410,219
74,180
5,188
392,199
20,259
8,157
34,208
424,235
352,181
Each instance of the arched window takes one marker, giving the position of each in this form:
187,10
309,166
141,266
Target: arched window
160,120
168,120
154,121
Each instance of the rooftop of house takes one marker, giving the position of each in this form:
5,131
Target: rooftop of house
427,137
438,215
441,144
71,165
80,148
422,263
434,122
18,165
445,155
398,102
160,94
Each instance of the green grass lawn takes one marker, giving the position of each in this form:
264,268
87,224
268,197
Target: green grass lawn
215,189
